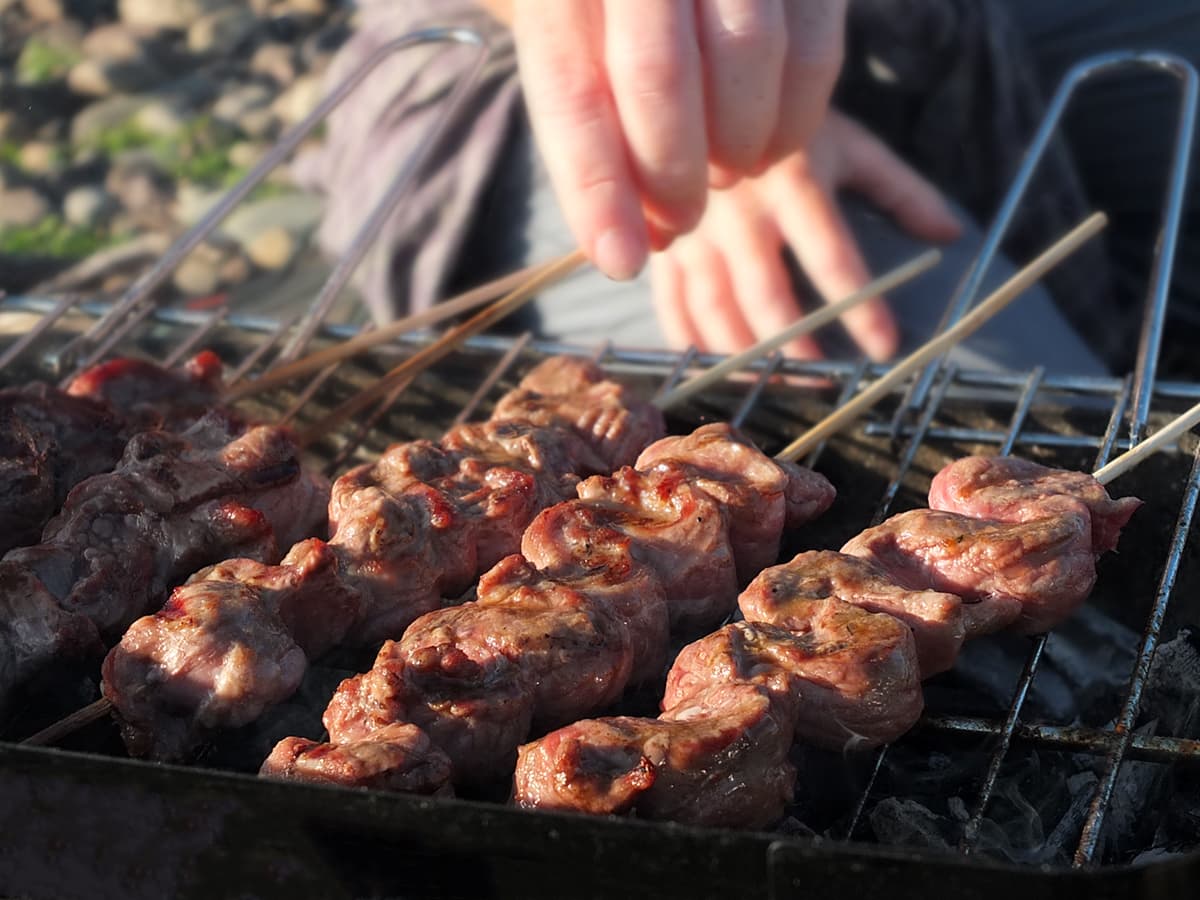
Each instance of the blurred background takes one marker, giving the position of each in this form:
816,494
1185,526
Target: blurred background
122,120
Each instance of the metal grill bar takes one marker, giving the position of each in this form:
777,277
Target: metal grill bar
751,398
192,341
261,349
1025,682
881,512
1065,738
41,327
1092,827
506,363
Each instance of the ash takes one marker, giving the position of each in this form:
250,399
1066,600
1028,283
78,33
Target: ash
928,787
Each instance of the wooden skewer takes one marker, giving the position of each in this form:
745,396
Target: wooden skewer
446,344
52,734
1138,454
360,343
968,325
805,325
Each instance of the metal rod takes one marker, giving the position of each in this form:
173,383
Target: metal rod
261,348
1098,741
848,390
40,327
364,238
881,512
152,279
1151,335
498,372
192,341
756,389
1090,839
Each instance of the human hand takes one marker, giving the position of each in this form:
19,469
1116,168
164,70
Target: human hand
725,286
638,104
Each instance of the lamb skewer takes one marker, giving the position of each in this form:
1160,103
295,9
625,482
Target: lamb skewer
585,610
172,505
832,674
412,528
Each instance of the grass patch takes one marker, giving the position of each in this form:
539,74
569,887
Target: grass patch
53,237
41,62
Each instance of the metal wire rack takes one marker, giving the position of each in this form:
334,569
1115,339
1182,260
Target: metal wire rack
72,332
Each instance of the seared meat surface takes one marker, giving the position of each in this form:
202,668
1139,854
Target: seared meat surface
561,631
577,393
787,596
1028,574
721,759
850,680
54,439
232,642
175,503
409,530
760,495
1016,490
398,758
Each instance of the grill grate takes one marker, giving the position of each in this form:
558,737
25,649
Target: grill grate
1067,420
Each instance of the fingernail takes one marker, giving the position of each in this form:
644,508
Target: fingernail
619,255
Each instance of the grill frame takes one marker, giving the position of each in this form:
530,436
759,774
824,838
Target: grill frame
133,799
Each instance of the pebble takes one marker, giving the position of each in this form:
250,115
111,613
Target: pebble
199,273
87,206
162,117
138,182
258,123
246,154
300,213
222,31
168,14
272,249
276,61
234,270
45,10
22,206
236,100
113,42
41,158
300,99
103,78
103,115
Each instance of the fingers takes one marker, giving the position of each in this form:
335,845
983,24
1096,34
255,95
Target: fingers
743,43
698,302
752,246
654,69
578,129
826,249
868,166
815,46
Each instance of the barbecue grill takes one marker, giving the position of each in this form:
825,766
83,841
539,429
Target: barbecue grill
1056,766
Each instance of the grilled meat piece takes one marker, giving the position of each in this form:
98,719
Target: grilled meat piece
419,524
174,505
147,396
395,758
661,521
55,439
850,679
760,494
720,759
576,392
52,442
786,595
27,488
1017,490
1031,574
232,642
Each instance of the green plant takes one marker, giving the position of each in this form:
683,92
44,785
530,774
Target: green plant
53,237
41,62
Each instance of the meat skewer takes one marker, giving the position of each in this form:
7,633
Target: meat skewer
173,504
54,439
412,528
809,323
812,661
583,612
